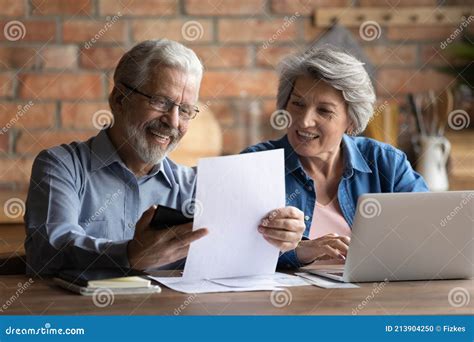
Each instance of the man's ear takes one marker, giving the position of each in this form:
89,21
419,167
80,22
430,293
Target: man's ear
116,99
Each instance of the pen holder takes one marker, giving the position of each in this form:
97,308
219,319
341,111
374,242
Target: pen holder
433,156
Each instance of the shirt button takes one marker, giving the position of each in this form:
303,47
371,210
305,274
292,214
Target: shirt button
309,188
130,225
306,218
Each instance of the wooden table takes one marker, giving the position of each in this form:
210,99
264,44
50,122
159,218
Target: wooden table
42,297
12,237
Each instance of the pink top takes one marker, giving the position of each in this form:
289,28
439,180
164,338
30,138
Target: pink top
328,219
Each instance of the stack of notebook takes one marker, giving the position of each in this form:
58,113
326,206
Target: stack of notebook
116,281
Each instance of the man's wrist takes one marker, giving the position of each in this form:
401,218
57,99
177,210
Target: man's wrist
131,253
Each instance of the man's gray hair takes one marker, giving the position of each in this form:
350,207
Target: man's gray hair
134,68
339,69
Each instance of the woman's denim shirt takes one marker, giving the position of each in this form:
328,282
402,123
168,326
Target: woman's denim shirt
369,167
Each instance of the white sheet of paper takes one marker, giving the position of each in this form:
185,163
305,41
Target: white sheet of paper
277,279
205,286
233,195
326,283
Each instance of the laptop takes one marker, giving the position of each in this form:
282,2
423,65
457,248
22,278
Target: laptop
409,236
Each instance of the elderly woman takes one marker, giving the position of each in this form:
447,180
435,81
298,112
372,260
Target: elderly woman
328,98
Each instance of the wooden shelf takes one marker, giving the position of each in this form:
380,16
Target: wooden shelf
354,17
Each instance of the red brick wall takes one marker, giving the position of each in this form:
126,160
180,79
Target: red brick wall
53,65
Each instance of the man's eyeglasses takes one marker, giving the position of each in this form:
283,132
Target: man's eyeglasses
164,104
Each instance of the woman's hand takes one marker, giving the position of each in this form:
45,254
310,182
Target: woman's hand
330,246
283,228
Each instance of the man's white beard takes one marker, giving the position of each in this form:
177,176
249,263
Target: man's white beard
148,153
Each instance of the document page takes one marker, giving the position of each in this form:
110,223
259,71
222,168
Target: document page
234,193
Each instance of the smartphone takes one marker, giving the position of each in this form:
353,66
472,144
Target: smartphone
166,217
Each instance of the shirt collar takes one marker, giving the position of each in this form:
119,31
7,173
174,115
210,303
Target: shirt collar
104,153
353,158
292,162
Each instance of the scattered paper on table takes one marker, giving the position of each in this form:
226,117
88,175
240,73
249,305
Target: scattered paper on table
233,195
325,282
277,279
205,286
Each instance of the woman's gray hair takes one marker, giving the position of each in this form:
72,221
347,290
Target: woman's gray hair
134,68
339,69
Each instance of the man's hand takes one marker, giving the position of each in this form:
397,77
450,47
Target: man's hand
283,228
154,248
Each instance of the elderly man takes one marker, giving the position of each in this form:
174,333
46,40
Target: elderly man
90,203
